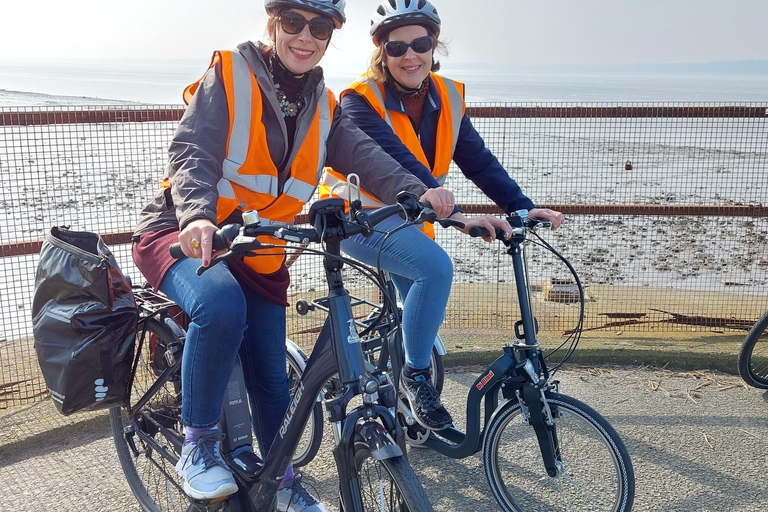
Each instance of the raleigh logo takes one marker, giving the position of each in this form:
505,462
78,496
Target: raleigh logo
484,380
291,409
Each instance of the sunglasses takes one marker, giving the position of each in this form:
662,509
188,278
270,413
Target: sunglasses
399,48
293,23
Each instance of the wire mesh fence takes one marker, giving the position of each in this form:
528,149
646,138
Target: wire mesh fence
666,203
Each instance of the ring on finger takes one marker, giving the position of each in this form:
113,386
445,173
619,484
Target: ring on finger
194,243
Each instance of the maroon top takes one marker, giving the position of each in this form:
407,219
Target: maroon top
414,105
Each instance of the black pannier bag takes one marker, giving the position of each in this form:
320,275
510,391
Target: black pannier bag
84,322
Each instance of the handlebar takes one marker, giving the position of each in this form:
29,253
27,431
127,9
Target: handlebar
519,225
242,239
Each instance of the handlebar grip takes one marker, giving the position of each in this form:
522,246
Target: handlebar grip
221,240
176,251
480,231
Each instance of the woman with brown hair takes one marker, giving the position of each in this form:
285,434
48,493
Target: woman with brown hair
259,128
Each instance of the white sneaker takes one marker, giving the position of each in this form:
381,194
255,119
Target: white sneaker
205,473
295,498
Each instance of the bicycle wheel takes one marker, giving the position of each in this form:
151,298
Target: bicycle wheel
151,474
596,472
388,485
753,355
312,437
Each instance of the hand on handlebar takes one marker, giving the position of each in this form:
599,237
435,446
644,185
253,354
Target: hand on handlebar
441,199
556,218
196,240
485,221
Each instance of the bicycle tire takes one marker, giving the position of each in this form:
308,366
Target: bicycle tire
312,437
388,485
437,369
597,472
152,477
753,355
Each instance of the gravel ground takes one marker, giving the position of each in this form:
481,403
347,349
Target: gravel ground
698,442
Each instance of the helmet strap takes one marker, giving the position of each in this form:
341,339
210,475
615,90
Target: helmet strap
406,91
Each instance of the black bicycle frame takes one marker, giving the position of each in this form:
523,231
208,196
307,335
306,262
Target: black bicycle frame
516,373
337,349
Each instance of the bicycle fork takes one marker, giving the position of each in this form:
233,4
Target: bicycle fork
541,417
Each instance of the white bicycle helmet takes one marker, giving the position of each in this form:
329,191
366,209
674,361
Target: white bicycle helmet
331,8
392,14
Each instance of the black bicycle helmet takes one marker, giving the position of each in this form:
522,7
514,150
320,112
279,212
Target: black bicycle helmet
332,8
392,14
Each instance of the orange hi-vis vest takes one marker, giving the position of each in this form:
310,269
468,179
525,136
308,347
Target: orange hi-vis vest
452,109
250,178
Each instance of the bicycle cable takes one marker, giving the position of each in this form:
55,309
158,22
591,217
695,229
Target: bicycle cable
573,339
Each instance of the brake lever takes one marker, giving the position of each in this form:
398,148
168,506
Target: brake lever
429,215
214,261
425,215
445,222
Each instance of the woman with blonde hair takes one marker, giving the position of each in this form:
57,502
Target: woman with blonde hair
419,118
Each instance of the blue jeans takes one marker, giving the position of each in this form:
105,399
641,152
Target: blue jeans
422,273
227,318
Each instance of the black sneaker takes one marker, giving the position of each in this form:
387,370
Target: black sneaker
425,402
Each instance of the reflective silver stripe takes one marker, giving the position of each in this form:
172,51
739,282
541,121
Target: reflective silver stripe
269,222
298,189
370,203
324,118
240,137
224,187
329,179
441,179
260,183
241,125
457,106
376,92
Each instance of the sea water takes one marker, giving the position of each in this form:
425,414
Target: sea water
162,82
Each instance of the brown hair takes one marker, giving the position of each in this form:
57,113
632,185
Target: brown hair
377,68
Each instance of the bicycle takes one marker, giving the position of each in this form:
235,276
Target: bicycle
539,446
753,355
368,449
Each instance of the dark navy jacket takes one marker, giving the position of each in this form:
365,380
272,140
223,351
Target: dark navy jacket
471,155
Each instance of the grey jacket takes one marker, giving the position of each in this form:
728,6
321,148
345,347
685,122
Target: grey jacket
199,148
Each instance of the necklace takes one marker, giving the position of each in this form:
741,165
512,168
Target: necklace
289,109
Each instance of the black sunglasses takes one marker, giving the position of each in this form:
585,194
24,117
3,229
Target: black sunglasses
399,48
293,23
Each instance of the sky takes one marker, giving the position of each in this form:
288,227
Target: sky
510,32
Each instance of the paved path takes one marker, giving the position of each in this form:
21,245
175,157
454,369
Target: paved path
698,441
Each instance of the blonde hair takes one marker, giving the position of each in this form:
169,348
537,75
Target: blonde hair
377,68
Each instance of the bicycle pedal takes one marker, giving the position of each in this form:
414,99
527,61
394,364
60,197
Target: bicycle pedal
212,505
